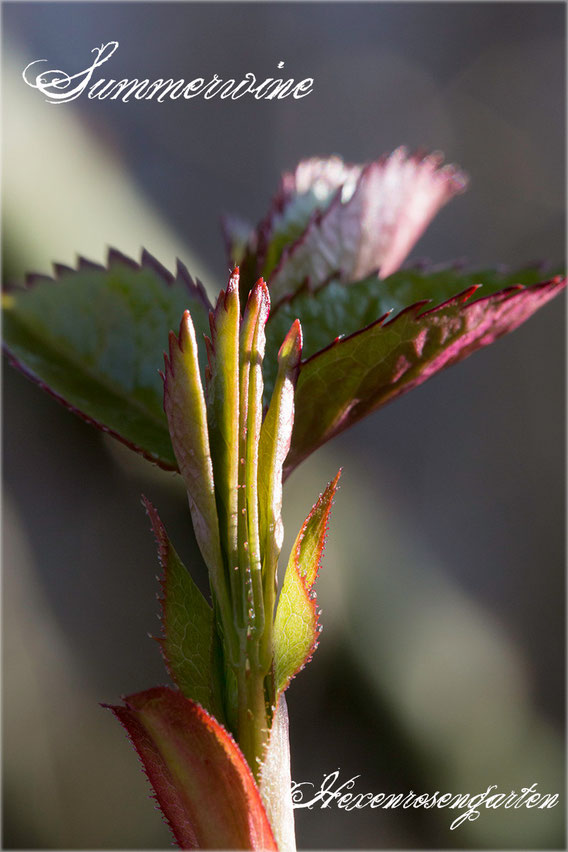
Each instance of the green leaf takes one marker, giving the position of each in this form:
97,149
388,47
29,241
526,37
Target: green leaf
184,404
348,377
339,310
296,627
252,343
201,780
275,437
187,622
223,412
93,337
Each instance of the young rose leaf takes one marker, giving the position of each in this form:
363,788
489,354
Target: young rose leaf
187,622
354,375
252,343
275,437
184,404
201,780
296,626
369,223
303,192
337,310
93,337
223,416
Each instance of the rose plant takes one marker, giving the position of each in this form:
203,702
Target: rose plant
318,326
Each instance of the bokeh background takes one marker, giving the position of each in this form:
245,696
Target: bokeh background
441,665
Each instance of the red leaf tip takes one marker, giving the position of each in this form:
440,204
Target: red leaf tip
232,287
259,293
291,348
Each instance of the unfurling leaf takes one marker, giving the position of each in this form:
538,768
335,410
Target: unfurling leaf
222,396
184,405
275,437
252,344
296,627
201,780
187,623
93,337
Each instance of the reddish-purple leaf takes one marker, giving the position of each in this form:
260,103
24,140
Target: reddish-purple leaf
357,374
200,778
331,219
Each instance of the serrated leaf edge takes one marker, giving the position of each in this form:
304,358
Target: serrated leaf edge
557,282
456,182
327,497
114,258
162,543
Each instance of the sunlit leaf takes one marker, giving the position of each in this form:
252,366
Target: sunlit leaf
93,337
337,310
310,188
296,627
333,220
222,397
354,375
200,778
275,437
184,404
252,343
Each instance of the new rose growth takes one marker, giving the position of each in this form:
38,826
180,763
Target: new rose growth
317,328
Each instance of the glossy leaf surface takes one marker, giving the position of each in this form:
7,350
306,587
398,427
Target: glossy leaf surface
201,780
339,310
355,375
296,626
93,337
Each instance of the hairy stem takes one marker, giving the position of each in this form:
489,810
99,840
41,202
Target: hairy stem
253,730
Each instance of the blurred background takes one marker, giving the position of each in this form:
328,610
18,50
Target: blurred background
441,665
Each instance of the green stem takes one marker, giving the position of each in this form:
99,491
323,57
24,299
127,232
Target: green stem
253,728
